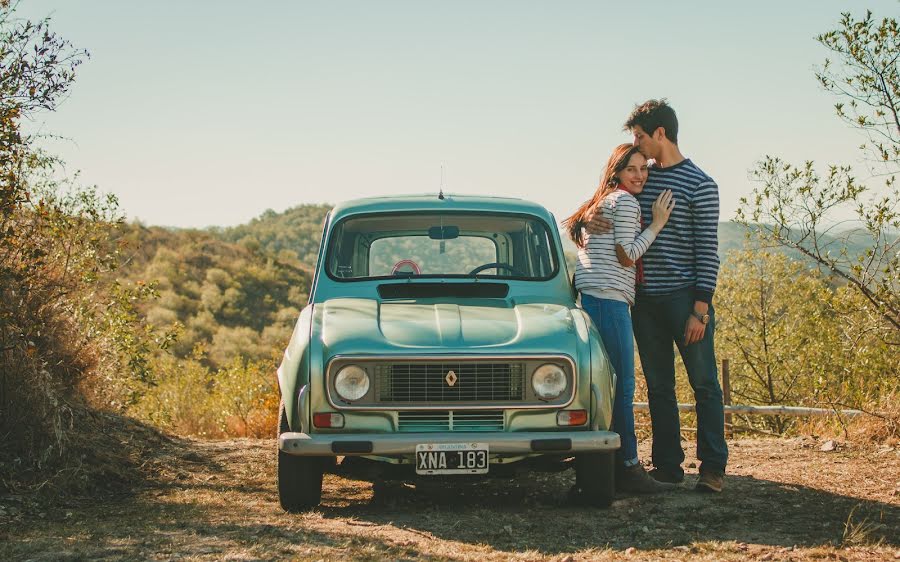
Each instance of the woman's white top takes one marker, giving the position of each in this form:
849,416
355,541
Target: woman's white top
598,272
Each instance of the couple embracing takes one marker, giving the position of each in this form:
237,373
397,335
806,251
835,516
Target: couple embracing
654,285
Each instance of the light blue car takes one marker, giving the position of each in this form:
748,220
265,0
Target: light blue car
442,338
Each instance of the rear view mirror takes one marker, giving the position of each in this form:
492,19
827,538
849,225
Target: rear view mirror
443,232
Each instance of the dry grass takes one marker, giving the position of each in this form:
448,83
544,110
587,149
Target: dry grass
785,500
879,424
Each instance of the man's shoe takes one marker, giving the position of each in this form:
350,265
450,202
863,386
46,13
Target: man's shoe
635,480
711,481
665,476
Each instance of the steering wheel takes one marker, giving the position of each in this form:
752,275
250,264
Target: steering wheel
497,265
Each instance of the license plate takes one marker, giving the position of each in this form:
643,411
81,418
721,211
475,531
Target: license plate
452,458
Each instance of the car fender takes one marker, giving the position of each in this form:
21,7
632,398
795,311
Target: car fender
603,378
293,373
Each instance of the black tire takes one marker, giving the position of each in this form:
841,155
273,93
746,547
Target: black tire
299,478
595,479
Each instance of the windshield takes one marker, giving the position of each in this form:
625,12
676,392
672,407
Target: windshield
441,245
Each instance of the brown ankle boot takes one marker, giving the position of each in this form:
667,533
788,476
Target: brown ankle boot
635,480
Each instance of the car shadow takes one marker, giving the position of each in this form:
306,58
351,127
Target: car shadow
534,514
144,529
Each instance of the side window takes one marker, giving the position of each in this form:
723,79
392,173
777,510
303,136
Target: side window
342,245
540,252
320,257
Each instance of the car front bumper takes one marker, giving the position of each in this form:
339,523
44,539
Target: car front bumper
518,442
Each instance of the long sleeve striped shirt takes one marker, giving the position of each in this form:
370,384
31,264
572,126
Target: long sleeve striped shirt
686,251
598,271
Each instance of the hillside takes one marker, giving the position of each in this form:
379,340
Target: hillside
294,233
233,298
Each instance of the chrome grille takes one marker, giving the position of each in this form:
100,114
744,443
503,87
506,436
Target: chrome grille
437,420
472,382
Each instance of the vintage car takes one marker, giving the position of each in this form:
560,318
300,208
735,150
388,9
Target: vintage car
442,338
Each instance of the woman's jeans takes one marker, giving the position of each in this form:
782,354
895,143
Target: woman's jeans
613,321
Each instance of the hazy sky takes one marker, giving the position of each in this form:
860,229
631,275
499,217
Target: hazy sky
200,113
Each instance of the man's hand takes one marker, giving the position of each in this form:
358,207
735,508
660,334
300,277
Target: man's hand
598,224
693,330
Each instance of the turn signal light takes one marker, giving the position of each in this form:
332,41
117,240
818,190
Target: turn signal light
328,419
571,417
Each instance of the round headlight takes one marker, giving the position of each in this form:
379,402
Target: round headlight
548,381
351,383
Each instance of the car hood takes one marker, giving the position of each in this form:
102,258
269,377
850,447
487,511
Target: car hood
356,326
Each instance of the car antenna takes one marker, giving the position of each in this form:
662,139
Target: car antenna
441,192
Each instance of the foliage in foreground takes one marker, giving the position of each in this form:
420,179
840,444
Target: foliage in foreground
238,399
42,269
794,339
72,341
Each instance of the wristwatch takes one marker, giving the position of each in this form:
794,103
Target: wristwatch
703,318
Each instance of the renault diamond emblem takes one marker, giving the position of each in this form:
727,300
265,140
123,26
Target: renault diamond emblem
451,378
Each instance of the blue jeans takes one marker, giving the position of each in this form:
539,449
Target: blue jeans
613,321
659,322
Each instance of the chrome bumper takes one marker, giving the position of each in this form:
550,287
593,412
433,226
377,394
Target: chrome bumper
518,442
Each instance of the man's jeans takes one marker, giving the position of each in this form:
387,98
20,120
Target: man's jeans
659,321
613,321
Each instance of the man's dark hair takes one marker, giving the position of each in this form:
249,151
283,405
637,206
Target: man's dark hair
653,114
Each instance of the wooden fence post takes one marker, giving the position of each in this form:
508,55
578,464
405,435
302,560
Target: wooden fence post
726,394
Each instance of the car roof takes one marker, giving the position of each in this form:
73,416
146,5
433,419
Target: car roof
430,202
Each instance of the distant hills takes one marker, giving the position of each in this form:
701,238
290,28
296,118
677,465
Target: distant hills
295,233
292,236
733,236
239,289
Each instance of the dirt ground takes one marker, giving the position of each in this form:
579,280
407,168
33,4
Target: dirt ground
797,499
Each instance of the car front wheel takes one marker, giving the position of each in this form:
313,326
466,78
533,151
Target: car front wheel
299,478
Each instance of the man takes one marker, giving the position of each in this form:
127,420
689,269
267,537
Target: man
674,303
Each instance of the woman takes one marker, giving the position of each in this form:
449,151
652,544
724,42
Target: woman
608,268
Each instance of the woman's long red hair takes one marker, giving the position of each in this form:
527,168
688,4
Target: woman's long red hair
618,160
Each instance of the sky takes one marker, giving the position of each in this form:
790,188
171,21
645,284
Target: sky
207,113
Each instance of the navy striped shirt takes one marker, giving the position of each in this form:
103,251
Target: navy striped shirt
685,253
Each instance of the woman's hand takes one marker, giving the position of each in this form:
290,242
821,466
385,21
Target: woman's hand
662,210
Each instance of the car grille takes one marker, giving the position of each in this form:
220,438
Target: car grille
426,421
428,382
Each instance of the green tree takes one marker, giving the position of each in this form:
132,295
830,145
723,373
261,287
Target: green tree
776,326
36,69
70,338
799,208
866,77
795,339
